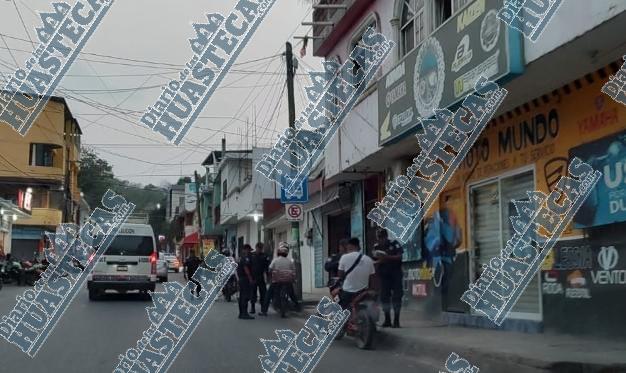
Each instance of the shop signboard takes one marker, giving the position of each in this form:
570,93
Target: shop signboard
584,276
607,203
442,70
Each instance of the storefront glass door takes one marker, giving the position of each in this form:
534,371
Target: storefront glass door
490,212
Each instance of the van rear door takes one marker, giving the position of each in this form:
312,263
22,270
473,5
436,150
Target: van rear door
129,258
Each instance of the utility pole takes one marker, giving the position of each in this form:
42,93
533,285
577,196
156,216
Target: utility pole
295,226
195,173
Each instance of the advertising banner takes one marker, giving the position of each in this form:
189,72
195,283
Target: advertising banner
607,203
582,282
442,70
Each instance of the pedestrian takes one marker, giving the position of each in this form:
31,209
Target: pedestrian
191,265
389,267
357,271
332,264
282,275
246,282
260,265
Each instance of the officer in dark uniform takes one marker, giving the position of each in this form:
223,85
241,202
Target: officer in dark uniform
260,265
389,269
246,282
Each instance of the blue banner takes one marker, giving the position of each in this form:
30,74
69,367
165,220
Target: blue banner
607,202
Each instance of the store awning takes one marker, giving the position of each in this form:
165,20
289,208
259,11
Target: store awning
192,239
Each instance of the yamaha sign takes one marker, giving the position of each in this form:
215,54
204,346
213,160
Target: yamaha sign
608,257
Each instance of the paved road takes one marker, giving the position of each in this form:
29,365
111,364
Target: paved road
92,334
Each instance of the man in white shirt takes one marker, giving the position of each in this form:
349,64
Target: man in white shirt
361,277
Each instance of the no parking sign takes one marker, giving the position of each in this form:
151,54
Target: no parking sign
294,212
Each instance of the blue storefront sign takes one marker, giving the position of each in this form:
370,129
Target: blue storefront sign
607,202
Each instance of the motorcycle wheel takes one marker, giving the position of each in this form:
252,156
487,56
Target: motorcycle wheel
367,328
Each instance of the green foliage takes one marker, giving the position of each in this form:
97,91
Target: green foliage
96,176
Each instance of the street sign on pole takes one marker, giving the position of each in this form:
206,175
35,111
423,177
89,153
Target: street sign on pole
294,212
300,196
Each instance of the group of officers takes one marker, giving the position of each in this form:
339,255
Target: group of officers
355,271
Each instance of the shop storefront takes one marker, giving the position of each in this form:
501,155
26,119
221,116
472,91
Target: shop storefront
529,149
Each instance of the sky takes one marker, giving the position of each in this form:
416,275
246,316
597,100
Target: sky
139,47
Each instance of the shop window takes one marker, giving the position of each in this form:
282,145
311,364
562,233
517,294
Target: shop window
491,209
42,155
358,40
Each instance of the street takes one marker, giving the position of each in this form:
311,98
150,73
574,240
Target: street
91,335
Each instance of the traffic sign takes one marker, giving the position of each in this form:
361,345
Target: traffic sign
301,195
294,212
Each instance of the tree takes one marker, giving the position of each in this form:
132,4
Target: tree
95,176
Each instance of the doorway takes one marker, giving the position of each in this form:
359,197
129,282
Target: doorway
491,207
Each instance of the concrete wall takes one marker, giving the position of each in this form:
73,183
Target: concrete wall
573,19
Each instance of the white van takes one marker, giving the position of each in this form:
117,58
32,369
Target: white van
129,263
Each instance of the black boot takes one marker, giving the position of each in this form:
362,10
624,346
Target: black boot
387,322
252,309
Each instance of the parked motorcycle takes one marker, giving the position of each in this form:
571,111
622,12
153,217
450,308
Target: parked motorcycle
33,271
361,325
12,272
281,302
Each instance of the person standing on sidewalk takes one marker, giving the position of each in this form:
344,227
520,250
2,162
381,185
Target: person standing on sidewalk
260,264
191,265
283,275
389,268
246,282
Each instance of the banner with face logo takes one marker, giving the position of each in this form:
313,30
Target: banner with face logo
443,69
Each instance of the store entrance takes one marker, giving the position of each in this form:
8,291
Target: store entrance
338,228
491,209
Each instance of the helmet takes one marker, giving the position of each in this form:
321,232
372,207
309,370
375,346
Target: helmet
283,247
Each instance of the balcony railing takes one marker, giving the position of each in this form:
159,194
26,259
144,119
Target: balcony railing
331,18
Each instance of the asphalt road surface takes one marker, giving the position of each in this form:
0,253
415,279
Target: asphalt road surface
91,335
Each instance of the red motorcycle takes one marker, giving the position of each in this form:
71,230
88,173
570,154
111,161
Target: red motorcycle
361,325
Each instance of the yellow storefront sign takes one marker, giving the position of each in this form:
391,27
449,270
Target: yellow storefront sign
541,137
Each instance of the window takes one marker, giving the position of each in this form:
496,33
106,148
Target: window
413,28
458,4
131,245
358,40
42,155
224,190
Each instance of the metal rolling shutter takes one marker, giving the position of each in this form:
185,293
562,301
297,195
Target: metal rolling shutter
491,209
515,188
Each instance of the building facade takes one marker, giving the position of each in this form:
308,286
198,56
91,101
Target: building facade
39,173
554,110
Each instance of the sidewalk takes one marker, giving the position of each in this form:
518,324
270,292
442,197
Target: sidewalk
499,351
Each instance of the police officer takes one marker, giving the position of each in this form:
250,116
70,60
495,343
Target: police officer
389,268
246,282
